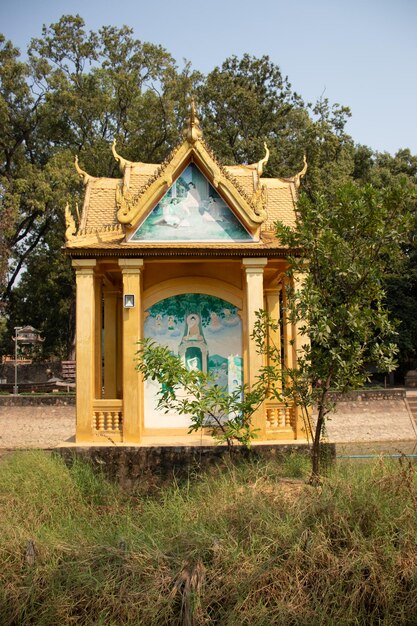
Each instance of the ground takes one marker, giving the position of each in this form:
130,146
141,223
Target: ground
360,422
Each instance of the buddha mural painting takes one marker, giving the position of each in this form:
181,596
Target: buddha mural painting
204,339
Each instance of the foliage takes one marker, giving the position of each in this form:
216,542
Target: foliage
344,554
79,89
46,292
385,170
336,298
194,393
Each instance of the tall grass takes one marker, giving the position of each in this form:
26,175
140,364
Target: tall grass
240,546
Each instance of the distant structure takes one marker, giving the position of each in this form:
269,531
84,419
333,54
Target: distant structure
26,339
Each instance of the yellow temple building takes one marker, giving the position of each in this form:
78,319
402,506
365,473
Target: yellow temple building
183,252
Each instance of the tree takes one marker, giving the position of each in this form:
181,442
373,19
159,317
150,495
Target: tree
385,170
77,91
345,242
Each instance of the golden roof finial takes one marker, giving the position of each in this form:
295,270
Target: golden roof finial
71,228
122,162
81,173
263,162
193,132
301,174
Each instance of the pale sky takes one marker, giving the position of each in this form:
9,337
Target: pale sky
360,53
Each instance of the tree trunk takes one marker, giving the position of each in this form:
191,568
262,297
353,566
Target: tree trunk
316,448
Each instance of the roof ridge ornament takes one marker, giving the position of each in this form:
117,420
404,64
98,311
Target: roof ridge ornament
81,173
193,131
71,229
262,162
123,163
301,174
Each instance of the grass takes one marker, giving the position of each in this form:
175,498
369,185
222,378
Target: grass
249,545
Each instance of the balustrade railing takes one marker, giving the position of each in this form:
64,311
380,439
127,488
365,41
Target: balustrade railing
279,417
108,418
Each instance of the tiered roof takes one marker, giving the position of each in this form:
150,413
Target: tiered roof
115,207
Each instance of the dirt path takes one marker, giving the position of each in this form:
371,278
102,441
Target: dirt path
36,426
48,426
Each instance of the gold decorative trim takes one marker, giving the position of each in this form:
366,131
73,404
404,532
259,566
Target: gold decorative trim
123,163
259,201
263,162
259,165
193,131
301,174
71,228
128,203
258,215
81,173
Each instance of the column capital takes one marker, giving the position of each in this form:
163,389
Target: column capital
252,265
131,266
84,266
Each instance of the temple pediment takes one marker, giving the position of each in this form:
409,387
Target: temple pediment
192,210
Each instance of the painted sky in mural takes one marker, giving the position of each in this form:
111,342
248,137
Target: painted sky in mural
206,332
191,210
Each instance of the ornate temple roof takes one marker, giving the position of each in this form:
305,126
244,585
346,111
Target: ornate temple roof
115,208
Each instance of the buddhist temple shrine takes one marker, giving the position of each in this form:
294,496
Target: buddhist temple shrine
183,252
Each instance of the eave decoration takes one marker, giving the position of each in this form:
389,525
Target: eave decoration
70,227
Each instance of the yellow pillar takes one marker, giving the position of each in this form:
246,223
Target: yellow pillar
298,349
274,336
85,344
289,352
132,332
110,296
98,325
254,270
119,346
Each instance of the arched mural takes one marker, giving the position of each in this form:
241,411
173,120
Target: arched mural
206,333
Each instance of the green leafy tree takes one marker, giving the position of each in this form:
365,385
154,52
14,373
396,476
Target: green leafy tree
45,299
79,89
385,170
346,243
246,102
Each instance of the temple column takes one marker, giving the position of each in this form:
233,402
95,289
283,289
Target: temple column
289,350
299,344
110,296
132,332
254,275
85,346
274,335
98,330
119,346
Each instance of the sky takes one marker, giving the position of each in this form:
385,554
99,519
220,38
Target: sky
359,53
